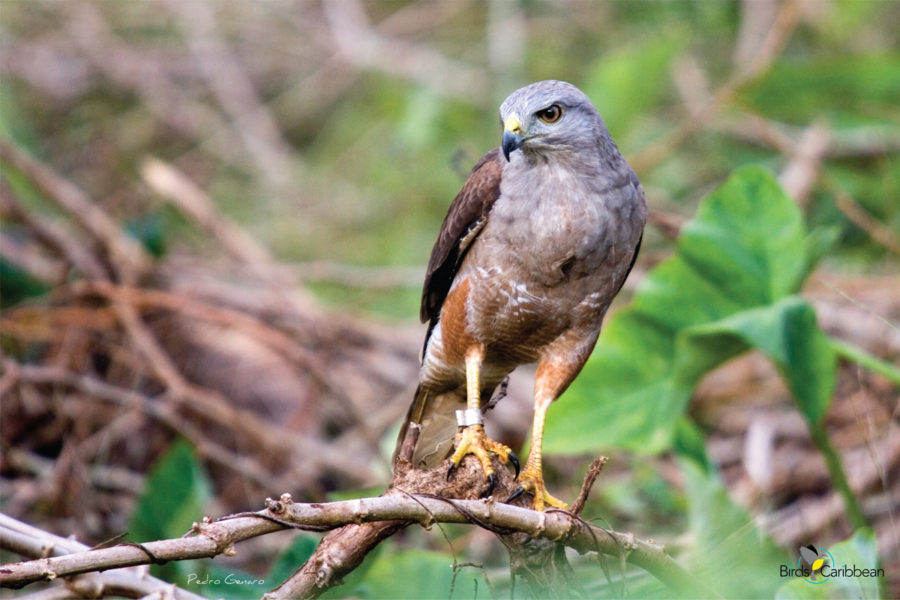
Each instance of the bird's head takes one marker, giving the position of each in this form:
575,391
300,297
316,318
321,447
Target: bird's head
547,116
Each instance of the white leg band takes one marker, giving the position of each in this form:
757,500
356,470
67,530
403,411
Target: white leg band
470,416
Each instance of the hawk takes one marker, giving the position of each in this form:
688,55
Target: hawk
528,259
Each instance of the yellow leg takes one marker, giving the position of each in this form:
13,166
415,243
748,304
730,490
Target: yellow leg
472,439
532,478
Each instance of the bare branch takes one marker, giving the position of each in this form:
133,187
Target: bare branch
125,253
219,537
366,48
159,408
52,235
235,92
589,479
801,173
172,183
862,219
35,543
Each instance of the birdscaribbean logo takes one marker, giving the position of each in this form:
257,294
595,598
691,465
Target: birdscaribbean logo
817,565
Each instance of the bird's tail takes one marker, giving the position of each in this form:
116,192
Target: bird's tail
436,414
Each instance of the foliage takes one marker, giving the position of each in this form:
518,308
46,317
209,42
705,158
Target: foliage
423,575
745,249
732,276
728,551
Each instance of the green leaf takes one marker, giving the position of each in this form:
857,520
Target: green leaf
691,443
745,249
859,551
175,495
150,231
786,332
291,558
18,285
729,553
876,365
417,575
819,242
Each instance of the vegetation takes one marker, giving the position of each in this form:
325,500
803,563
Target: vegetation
215,218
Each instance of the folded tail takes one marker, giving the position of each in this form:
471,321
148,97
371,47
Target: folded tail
436,414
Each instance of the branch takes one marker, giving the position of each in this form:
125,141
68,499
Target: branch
219,537
36,543
52,235
357,526
126,254
365,48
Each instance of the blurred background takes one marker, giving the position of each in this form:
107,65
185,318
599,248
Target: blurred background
216,216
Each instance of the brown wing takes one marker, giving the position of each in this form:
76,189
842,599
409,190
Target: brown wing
461,226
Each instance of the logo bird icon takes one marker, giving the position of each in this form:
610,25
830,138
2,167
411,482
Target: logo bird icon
813,559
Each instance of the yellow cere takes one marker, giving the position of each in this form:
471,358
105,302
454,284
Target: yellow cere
512,124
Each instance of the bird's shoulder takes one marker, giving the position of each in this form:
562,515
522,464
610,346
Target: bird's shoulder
465,218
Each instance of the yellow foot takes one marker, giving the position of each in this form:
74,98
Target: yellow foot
532,481
473,440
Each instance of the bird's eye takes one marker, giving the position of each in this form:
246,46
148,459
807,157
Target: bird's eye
551,114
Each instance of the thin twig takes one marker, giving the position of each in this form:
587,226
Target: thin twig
589,479
802,171
879,232
52,235
126,300
234,91
158,408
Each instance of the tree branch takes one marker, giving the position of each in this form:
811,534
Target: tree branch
391,512
132,583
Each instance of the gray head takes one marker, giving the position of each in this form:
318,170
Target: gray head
550,116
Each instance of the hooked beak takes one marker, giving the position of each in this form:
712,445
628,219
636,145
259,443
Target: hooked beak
512,136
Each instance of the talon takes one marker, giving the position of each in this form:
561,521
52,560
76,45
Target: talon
515,495
515,462
533,482
450,470
492,481
472,440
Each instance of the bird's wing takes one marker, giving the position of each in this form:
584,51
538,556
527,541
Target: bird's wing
464,220
638,191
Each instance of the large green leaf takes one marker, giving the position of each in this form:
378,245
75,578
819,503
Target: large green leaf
786,332
729,552
745,249
856,559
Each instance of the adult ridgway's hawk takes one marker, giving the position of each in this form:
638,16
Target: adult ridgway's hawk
532,251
